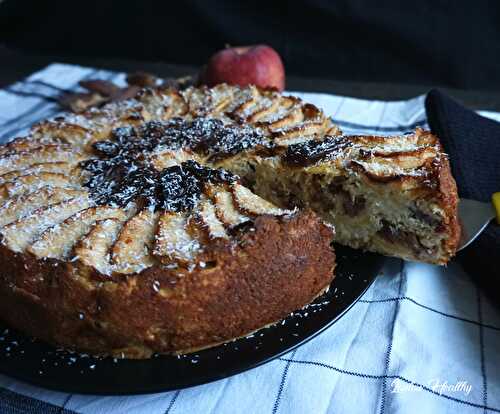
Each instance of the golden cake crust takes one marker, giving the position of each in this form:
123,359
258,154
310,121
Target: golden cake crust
242,288
449,201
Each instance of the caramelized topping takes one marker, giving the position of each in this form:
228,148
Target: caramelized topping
310,152
211,137
123,173
182,185
122,179
208,137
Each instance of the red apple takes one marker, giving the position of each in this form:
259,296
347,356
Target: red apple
257,65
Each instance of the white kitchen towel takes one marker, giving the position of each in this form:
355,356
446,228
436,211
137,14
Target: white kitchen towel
422,339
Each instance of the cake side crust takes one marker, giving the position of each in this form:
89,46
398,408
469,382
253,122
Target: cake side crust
244,288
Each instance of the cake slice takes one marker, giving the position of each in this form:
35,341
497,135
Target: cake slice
391,195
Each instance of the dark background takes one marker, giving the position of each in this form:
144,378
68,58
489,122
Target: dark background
435,43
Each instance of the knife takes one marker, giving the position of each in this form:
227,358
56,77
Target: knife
475,216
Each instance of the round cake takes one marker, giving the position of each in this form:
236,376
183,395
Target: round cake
132,229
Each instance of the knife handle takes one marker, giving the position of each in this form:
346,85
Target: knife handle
495,198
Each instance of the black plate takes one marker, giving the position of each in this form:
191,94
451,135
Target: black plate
41,364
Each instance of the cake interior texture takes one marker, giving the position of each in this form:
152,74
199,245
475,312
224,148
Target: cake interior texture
391,195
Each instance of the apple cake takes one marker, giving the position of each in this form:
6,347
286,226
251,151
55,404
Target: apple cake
178,220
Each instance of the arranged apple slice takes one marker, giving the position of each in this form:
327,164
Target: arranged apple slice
207,220
242,103
267,104
53,167
202,102
20,145
94,249
312,123
172,241
131,251
22,232
287,117
57,241
48,153
162,104
26,203
63,132
225,209
168,158
253,205
29,183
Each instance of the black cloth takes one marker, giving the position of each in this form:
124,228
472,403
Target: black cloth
427,42
473,144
